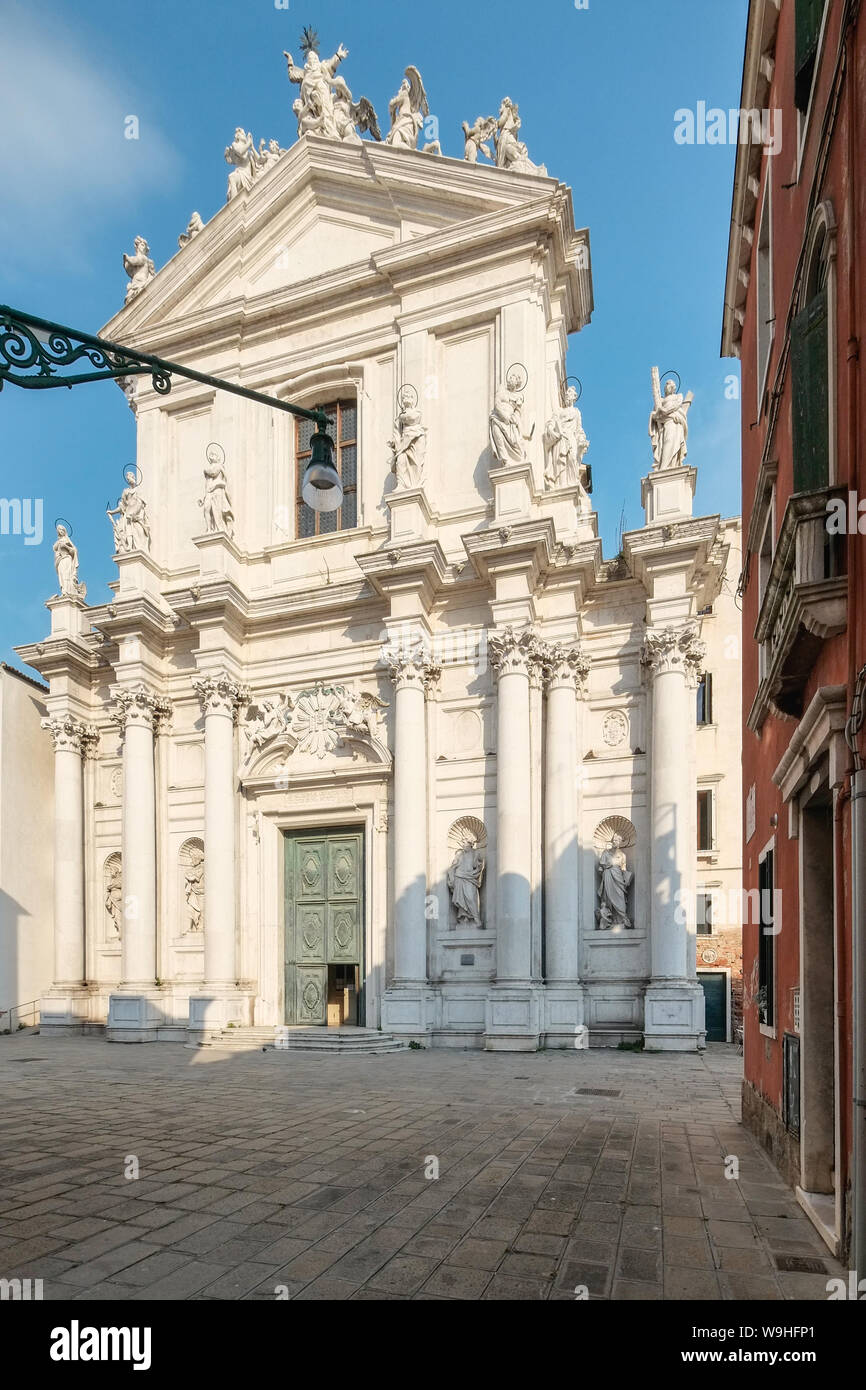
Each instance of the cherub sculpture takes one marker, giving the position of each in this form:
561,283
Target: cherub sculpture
361,713
478,138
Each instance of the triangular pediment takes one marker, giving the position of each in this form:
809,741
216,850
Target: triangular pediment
325,209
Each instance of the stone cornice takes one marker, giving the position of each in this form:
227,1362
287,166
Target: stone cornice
821,728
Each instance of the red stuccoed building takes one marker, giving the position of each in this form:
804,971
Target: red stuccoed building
795,313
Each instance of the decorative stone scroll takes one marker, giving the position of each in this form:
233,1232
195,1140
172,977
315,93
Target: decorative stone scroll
614,878
140,707
191,864
468,838
674,649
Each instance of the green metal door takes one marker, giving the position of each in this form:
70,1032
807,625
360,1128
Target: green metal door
324,916
715,983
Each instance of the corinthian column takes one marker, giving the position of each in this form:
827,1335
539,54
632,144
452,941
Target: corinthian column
71,739
220,697
566,669
674,1004
404,1005
138,711
512,1022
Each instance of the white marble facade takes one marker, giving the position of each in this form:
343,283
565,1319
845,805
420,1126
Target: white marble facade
460,676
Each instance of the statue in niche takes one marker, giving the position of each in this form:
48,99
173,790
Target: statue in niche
507,439
129,517
193,883
114,893
478,138
361,713
468,837
66,564
353,118
409,444
669,424
242,154
615,880
511,153
408,111
193,227
139,267
216,504
314,107
566,444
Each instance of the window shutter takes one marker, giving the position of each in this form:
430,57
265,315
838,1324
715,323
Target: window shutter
808,15
810,411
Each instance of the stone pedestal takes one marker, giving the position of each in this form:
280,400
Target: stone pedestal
674,1001
571,513
218,555
68,616
668,494
513,492
135,1011
409,514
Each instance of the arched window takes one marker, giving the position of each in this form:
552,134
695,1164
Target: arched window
343,429
810,365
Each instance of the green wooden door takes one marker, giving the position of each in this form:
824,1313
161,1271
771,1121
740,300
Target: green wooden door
715,983
324,917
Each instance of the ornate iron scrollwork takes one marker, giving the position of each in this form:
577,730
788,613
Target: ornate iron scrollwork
34,359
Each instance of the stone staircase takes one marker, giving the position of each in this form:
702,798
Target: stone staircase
344,1042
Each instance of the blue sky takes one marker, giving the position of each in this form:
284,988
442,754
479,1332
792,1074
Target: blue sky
597,88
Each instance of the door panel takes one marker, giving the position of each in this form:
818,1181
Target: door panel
715,985
324,917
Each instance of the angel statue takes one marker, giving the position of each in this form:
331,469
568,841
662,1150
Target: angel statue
408,110
409,444
242,154
507,440
669,423
478,138
314,107
352,117
615,879
361,713
511,153
66,564
129,517
566,444
139,267
269,722
216,504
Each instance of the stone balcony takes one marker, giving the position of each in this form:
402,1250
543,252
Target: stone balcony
805,602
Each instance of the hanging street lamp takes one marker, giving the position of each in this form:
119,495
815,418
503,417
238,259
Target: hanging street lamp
34,353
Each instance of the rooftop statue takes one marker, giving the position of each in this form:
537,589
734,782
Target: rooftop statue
566,444
66,564
408,111
242,154
352,117
139,267
478,138
129,517
502,130
669,424
267,155
314,107
194,226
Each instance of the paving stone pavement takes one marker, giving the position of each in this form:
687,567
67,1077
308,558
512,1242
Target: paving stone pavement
304,1176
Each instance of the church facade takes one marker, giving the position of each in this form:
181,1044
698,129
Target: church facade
425,763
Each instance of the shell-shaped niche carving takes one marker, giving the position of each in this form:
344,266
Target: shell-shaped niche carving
468,830
614,825
191,870
112,878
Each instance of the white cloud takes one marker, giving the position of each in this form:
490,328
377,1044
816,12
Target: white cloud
67,162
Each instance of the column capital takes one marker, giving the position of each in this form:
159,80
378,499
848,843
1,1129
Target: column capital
71,735
566,666
220,693
674,649
516,651
140,708
410,665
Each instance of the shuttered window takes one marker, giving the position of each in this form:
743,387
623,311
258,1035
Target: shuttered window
811,413
807,17
767,943
343,429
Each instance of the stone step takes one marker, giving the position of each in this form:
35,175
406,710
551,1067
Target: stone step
342,1041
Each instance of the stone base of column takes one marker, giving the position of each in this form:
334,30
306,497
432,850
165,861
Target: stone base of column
137,1016
408,1012
563,1016
513,1019
63,1011
212,1010
674,1016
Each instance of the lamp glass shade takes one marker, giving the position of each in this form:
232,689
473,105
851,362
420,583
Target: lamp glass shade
321,488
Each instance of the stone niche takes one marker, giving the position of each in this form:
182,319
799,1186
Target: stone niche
466,946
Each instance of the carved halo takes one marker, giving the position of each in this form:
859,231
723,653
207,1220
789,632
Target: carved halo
215,453
614,825
572,381
517,369
407,387
665,376
61,521
466,828
138,476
